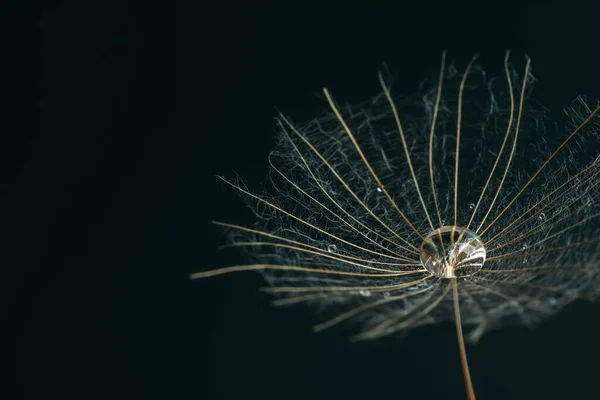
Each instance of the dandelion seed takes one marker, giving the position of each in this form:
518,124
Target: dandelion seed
452,234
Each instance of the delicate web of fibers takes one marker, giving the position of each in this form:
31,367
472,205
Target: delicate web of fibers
344,239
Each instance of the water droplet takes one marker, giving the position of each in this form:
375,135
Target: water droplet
379,189
572,293
451,252
365,293
471,206
542,217
525,259
420,285
332,248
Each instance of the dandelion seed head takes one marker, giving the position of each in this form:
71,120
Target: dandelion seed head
373,207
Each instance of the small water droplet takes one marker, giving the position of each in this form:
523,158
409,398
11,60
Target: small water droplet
419,286
572,293
332,248
471,206
365,293
379,189
542,217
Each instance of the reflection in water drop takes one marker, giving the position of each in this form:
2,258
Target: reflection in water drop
452,252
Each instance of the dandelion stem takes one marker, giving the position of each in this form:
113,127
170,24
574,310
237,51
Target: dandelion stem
461,343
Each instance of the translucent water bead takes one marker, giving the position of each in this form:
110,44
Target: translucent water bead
452,252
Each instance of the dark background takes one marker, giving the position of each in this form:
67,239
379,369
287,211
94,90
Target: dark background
116,117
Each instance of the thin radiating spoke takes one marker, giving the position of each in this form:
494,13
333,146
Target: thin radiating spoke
512,151
320,253
563,144
270,235
406,152
303,299
506,135
508,255
476,334
525,284
364,307
511,300
546,226
309,169
567,246
392,327
436,109
534,269
570,272
553,200
591,169
299,219
458,131
341,180
275,267
364,159
357,288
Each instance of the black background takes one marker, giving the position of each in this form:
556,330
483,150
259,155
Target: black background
118,115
